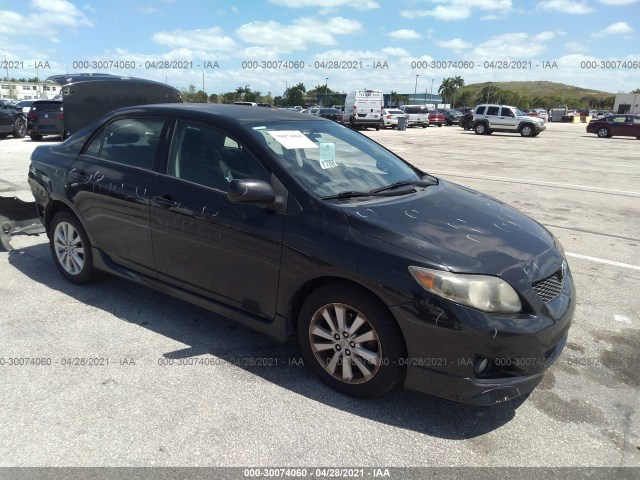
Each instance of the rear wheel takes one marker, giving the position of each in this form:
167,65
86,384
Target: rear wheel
351,341
603,132
480,128
71,248
19,128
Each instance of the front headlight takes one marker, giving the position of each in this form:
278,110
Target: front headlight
486,293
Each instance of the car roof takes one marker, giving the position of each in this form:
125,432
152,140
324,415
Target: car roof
230,113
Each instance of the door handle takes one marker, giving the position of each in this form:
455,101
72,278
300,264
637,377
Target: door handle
165,201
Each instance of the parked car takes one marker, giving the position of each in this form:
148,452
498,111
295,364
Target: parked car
489,118
451,117
25,105
296,226
615,125
330,113
12,120
436,118
390,117
45,117
417,115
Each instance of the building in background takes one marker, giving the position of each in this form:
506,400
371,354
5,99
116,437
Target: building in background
10,90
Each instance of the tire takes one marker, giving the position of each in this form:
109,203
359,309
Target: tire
373,351
603,132
425,126
439,125
526,130
71,249
19,128
378,127
35,138
480,128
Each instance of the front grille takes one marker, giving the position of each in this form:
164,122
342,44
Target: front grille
550,287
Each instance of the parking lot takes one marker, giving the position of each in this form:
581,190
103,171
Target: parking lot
175,385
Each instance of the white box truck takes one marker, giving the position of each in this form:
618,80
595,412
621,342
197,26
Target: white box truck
363,108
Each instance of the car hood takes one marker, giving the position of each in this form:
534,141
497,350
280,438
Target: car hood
453,226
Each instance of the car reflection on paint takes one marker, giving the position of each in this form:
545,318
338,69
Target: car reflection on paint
298,226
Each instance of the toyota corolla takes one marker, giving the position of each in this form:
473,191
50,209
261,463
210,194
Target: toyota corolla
299,227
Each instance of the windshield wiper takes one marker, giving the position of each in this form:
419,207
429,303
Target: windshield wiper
403,183
372,193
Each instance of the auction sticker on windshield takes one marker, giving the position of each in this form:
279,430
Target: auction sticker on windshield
291,139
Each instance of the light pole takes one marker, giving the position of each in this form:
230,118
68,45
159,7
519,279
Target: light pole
325,92
415,89
431,96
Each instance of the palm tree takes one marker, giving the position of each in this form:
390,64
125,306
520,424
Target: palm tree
446,88
458,82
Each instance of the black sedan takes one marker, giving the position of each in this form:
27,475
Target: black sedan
330,114
298,226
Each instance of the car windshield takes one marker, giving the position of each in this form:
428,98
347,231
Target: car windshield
330,159
395,112
519,112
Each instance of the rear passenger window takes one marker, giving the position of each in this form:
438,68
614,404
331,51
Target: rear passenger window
492,110
129,141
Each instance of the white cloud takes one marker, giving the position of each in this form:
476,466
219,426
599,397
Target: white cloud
542,36
207,39
460,9
327,4
395,52
575,47
455,44
618,2
148,10
566,6
509,45
619,28
404,34
45,18
296,36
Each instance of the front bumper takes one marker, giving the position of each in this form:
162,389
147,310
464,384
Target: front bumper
447,342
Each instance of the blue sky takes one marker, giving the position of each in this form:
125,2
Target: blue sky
375,32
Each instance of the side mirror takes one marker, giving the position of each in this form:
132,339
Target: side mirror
251,191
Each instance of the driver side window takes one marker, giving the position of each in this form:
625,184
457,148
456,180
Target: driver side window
207,156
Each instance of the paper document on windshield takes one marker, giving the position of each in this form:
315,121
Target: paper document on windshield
327,155
291,139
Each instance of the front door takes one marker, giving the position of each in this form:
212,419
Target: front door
202,242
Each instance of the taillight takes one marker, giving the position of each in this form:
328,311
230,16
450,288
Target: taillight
31,116
60,115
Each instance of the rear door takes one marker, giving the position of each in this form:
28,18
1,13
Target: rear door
111,182
202,242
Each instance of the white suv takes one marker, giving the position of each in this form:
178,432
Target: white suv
489,118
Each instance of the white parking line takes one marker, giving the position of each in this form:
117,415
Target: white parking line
602,260
537,182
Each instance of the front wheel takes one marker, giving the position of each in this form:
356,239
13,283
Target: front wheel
350,340
526,131
19,128
71,248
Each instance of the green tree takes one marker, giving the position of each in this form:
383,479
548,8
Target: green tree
213,98
446,89
637,90
295,95
458,82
